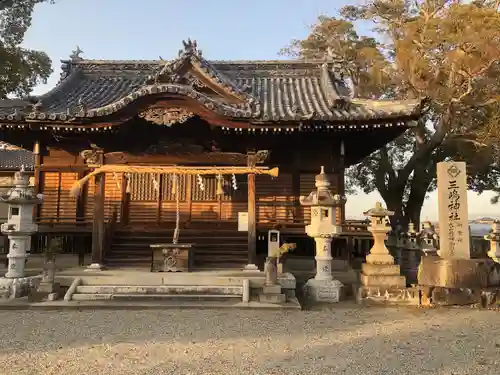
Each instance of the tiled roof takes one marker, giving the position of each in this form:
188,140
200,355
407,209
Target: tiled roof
13,160
259,91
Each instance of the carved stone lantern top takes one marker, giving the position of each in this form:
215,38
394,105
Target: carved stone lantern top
21,193
428,229
322,196
378,211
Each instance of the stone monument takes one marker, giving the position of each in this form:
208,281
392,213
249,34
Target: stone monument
494,238
453,213
19,228
452,277
323,228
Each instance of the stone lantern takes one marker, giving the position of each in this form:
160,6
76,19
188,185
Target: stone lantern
379,254
428,239
412,237
379,275
323,228
19,226
494,238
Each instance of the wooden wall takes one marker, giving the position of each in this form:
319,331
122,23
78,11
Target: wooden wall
151,199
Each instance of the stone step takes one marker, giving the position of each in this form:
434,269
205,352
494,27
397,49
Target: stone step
152,297
160,289
168,238
117,245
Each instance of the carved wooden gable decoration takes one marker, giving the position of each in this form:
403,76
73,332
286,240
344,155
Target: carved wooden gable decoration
191,69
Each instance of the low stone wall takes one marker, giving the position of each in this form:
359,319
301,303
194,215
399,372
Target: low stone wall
36,261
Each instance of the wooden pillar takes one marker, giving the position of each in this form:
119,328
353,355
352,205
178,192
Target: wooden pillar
79,242
98,225
341,178
37,152
252,224
125,199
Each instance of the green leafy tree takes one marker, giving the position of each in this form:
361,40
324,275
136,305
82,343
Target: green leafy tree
21,69
446,51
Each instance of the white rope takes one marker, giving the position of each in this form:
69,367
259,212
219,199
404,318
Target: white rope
175,180
115,177
201,184
234,182
156,186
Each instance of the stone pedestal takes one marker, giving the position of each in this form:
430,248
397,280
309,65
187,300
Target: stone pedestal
272,294
456,281
323,290
386,275
15,287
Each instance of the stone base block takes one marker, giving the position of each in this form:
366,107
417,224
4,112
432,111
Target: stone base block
323,290
48,288
251,268
15,288
380,269
383,281
380,259
387,296
272,294
458,273
95,267
272,298
438,296
271,289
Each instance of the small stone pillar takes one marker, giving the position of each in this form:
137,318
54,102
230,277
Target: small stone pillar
380,277
428,239
323,228
19,228
271,291
494,238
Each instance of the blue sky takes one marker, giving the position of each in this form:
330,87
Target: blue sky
224,30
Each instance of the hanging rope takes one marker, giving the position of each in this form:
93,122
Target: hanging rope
117,180
77,187
234,182
156,186
175,181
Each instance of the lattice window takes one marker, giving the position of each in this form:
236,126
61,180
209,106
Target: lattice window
142,187
209,191
167,187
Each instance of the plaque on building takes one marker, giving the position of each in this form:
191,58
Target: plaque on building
243,221
453,213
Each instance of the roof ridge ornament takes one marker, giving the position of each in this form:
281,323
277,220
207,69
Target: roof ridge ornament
75,54
190,47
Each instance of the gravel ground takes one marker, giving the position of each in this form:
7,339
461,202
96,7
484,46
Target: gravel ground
343,340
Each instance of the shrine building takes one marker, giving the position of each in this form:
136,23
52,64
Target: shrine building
193,144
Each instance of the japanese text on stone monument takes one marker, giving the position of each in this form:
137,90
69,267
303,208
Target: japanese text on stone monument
453,213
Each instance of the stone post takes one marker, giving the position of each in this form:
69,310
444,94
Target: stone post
323,228
494,238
